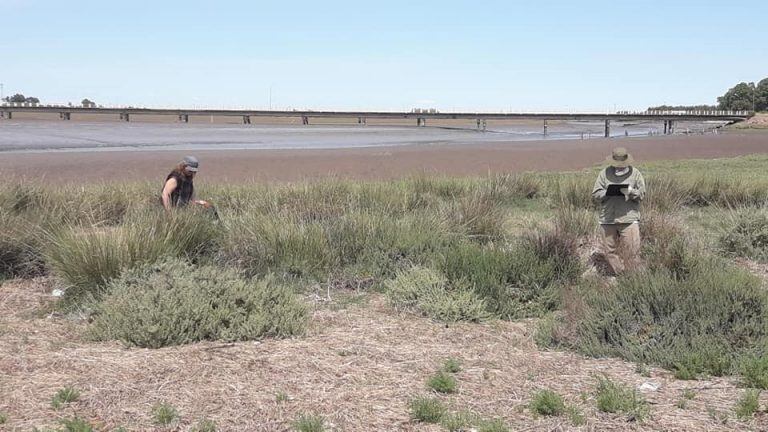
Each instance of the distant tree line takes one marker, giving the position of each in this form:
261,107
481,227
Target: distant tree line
742,97
20,98
683,108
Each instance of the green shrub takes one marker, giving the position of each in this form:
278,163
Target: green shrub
428,292
65,396
427,410
754,371
452,365
699,324
442,382
3,419
573,222
76,425
163,414
174,303
478,214
204,426
495,425
746,235
457,422
20,247
748,405
616,398
309,423
547,403
88,259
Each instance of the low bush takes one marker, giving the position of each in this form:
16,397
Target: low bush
65,396
20,247
163,414
458,421
614,397
452,365
427,409
173,303
87,259
702,323
309,423
442,382
754,371
746,235
748,404
547,403
428,292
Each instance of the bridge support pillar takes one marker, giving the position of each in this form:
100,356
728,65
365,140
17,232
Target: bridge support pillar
607,128
362,121
305,120
65,116
485,125
421,121
10,115
2,114
125,117
184,118
671,127
246,119
666,126
545,128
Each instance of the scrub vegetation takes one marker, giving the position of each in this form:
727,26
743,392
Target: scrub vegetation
472,250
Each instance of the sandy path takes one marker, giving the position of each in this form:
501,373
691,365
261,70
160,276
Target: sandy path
358,367
375,163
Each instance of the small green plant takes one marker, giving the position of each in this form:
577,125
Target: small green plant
3,418
754,372
75,425
452,365
643,370
547,403
495,425
164,414
426,409
282,396
614,398
689,394
457,422
65,396
748,405
204,425
576,416
442,382
309,423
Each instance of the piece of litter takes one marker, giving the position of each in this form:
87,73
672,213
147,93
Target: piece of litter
57,293
649,386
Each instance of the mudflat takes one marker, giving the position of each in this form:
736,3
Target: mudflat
380,162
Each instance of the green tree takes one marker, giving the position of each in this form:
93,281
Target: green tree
741,97
761,96
32,100
17,98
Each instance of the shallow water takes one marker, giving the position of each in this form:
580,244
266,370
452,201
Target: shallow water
40,136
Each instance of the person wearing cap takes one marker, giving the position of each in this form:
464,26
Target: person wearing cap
620,213
179,189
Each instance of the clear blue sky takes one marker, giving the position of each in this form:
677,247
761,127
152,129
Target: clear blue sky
391,55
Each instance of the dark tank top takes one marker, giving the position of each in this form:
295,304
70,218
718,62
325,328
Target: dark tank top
182,195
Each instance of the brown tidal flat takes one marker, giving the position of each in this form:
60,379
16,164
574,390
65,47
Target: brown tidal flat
374,163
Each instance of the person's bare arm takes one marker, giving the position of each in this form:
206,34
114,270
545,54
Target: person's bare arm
168,189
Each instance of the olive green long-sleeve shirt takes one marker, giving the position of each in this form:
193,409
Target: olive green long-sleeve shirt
619,209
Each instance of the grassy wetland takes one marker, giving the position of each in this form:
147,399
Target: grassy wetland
336,305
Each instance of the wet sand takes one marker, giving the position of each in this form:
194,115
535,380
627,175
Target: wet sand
374,163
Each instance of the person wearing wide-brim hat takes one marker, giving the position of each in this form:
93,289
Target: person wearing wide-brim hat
179,188
618,190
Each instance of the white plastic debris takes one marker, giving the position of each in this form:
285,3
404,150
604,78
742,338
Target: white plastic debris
649,386
57,293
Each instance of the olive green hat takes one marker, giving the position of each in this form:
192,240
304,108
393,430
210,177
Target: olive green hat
619,158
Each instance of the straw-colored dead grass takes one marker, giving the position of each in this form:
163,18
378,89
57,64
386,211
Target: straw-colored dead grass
358,367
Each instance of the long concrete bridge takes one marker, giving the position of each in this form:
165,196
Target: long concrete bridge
419,116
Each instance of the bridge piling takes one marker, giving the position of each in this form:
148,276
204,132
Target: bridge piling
607,128
246,119
485,125
184,118
125,116
545,128
671,127
305,120
65,116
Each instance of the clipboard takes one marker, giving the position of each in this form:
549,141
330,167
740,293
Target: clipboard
615,189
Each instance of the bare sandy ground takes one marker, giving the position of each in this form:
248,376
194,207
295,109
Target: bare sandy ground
358,367
375,163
